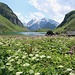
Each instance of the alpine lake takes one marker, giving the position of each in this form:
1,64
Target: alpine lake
25,33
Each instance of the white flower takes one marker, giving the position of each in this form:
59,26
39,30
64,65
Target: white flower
60,66
3,67
69,69
23,57
16,57
36,55
48,57
26,64
42,56
8,64
18,62
18,73
37,51
37,59
31,55
71,73
31,71
19,50
35,48
37,73
17,44
1,43
10,68
33,58
11,60
25,53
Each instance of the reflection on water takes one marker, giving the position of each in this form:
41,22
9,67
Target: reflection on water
33,33
26,33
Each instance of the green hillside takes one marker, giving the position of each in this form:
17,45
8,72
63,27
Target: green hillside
9,22
68,23
7,26
42,30
7,12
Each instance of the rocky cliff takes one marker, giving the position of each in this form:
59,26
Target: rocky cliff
8,13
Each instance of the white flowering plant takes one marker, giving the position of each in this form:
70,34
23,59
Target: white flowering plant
22,55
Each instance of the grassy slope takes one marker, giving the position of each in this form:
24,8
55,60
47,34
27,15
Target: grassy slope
7,12
68,26
7,26
42,30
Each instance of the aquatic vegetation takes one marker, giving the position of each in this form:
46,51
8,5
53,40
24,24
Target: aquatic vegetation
37,55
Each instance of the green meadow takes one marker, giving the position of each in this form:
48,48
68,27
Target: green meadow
39,55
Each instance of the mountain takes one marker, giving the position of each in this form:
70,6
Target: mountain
8,20
35,24
42,30
8,13
31,22
68,24
7,26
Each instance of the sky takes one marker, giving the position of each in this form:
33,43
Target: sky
37,9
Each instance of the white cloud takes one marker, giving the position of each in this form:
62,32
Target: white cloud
25,19
37,15
21,17
56,9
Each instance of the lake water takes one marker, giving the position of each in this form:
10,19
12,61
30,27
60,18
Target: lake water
33,33
27,33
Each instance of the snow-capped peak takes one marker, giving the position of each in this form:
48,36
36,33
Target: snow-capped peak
35,24
45,19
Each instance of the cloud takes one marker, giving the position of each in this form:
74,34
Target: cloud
37,15
25,19
21,17
56,9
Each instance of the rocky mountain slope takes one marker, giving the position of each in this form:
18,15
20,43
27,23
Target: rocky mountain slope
68,24
35,24
8,13
8,20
